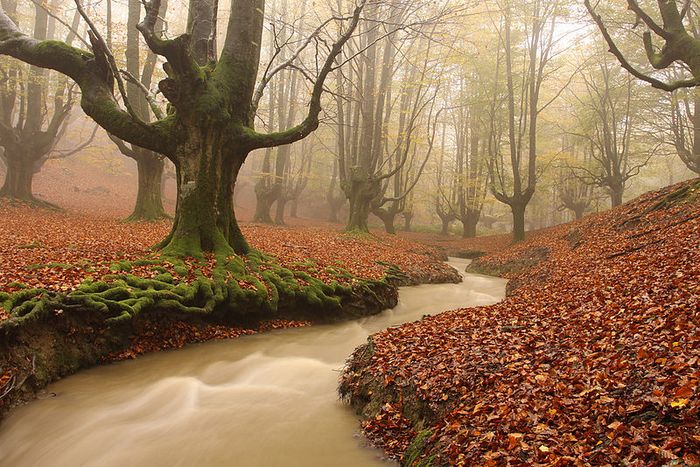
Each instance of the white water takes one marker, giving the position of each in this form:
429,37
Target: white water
262,400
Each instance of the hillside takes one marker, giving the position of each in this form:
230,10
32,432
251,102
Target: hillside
592,358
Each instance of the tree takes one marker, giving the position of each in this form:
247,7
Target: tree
364,112
575,194
680,35
209,129
514,179
610,119
150,165
28,132
685,127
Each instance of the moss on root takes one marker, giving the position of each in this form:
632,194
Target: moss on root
238,291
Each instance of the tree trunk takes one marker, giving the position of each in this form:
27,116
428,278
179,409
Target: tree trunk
360,191
469,224
388,217
279,211
579,211
445,227
264,198
616,196
149,201
518,211
205,220
407,219
358,217
293,213
18,179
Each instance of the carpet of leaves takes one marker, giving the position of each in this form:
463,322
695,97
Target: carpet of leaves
592,359
58,250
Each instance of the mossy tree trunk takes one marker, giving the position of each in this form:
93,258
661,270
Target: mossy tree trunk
360,191
209,129
264,199
149,199
150,165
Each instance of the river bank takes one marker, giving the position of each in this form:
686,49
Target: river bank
592,358
76,291
264,399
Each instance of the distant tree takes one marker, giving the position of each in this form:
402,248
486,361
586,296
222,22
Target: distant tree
30,124
514,178
610,120
150,165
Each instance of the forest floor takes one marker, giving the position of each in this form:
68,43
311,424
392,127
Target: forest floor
593,357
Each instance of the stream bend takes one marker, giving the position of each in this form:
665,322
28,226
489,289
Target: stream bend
261,400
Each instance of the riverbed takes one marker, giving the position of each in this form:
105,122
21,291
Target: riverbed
263,400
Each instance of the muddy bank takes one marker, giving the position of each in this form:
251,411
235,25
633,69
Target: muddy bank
61,341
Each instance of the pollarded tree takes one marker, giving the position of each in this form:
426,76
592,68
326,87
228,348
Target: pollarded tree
150,165
28,131
574,194
209,129
514,178
610,120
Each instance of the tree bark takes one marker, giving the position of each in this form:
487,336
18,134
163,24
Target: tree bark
445,231
205,220
264,199
19,178
149,200
471,220
518,210
616,194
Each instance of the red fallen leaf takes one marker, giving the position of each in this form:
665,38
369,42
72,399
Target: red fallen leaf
514,440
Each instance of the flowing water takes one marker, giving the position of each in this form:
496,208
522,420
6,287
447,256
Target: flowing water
262,400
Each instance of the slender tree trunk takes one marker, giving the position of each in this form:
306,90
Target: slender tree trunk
518,210
149,200
293,213
579,211
445,231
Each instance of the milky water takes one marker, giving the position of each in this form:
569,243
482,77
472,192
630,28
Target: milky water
262,400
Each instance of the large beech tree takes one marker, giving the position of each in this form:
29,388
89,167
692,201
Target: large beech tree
209,129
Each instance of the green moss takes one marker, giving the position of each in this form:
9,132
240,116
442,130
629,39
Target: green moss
121,266
412,457
165,277
32,267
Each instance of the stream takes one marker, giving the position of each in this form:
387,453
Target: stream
263,400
